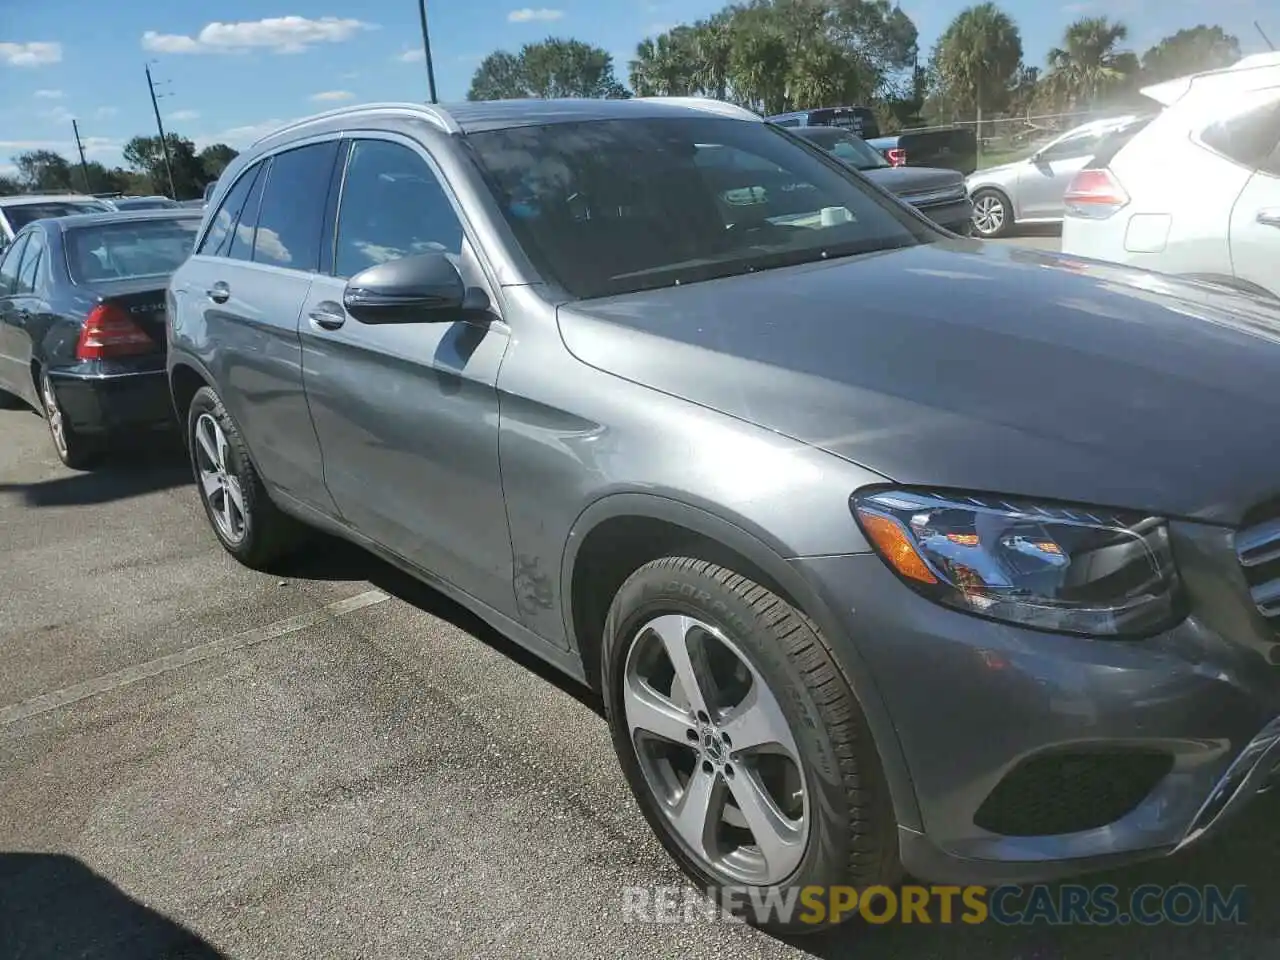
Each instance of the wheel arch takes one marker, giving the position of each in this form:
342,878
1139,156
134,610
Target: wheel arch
186,376
619,533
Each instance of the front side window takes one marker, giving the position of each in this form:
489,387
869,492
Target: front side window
30,267
1249,136
614,206
9,266
134,248
392,206
291,216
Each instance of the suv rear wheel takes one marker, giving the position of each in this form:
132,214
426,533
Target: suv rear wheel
248,525
741,738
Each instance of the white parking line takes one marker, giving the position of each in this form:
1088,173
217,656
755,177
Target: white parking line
205,651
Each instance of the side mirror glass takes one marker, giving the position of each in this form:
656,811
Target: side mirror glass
426,288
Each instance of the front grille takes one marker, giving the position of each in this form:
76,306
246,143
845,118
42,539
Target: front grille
1057,793
1258,549
935,197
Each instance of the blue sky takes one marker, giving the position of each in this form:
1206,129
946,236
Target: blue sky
265,62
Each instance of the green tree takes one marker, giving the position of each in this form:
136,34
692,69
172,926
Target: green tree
666,65
1189,51
145,155
44,171
9,186
977,59
1089,65
553,68
215,158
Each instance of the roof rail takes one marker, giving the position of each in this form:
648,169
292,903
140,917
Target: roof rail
429,112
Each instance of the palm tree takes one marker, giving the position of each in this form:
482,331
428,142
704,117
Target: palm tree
1089,65
664,66
977,59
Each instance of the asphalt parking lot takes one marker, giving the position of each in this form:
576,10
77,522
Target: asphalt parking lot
199,761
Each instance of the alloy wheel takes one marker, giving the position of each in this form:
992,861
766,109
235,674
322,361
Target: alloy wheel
716,751
988,214
218,484
53,414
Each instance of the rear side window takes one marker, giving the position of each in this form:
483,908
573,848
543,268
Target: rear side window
1249,137
30,264
9,266
1081,145
218,239
293,203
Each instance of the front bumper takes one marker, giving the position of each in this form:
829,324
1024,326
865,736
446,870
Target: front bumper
98,401
1178,730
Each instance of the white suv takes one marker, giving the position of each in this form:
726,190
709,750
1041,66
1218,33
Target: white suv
1195,190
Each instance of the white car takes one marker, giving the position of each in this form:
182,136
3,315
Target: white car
1195,190
19,210
1030,190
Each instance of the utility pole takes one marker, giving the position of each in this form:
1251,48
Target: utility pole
84,167
426,50
1258,27
164,143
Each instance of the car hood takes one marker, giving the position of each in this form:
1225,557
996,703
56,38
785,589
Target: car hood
910,181
993,173
978,367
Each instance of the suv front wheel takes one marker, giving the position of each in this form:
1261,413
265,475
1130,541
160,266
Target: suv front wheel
741,738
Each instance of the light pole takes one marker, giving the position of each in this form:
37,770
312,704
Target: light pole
164,143
426,50
84,167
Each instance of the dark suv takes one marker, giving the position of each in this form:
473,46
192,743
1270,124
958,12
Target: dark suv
887,550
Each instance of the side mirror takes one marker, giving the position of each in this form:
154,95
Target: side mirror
426,288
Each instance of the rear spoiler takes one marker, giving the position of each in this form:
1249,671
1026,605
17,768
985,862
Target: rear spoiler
1171,91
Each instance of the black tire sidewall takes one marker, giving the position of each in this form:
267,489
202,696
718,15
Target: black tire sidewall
80,453
657,591
207,401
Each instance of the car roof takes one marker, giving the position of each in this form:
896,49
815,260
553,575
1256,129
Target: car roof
485,115
1249,73
29,198
121,216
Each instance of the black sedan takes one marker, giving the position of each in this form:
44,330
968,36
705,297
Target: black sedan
82,323
939,194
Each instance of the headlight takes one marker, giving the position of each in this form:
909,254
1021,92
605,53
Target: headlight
1052,568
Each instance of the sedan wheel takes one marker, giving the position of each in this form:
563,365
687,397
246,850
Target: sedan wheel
990,214
73,450
741,738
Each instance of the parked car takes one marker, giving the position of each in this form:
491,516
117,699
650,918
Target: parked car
82,301
144,203
17,211
939,194
950,148
1030,190
1218,130
861,120
885,550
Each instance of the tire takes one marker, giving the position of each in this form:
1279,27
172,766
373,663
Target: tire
73,449
248,525
991,200
847,833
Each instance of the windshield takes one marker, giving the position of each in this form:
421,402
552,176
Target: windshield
136,248
615,206
20,214
845,146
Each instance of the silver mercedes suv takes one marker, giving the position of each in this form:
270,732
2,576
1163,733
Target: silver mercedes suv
887,551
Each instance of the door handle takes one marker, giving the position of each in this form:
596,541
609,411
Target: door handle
219,292
1269,217
328,315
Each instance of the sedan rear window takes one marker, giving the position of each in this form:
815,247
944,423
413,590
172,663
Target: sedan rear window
614,206
136,248
20,214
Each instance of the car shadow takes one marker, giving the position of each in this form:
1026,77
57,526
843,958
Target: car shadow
54,907
125,473
1243,855
329,558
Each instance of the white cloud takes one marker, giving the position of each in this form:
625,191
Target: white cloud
349,76
59,114
92,146
291,34
529,15
8,170
411,56
103,113
240,137
49,94
185,115
333,96
36,53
